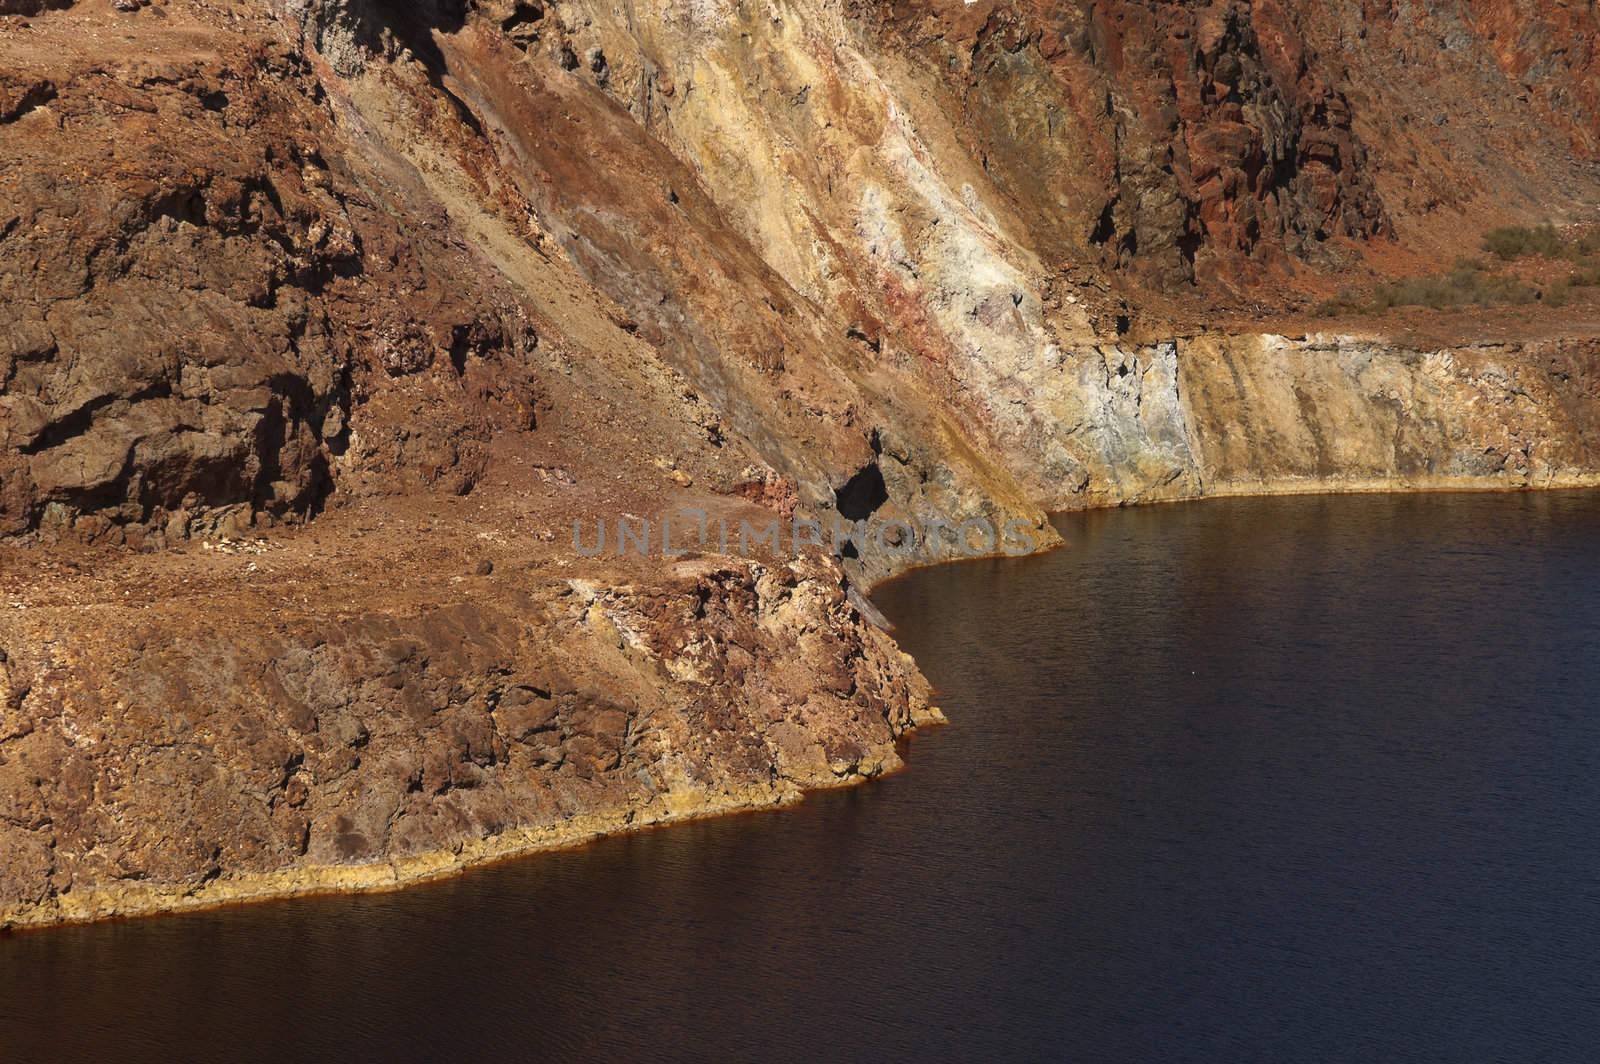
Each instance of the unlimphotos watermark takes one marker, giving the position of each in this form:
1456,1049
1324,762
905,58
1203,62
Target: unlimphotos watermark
688,530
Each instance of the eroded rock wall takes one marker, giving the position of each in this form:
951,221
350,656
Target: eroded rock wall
193,327
905,236
195,760
323,321
1332,413
993,200
1263,413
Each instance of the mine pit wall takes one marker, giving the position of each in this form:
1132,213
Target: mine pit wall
255,759
182,760
179,763
1258,414
1217,415
852,177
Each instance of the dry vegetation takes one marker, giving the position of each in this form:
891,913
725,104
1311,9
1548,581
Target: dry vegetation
1472,282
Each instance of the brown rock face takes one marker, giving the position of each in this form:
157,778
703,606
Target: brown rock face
1212,131
1552,52
191,327
286,745
322,323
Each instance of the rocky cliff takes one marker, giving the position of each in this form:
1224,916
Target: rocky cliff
325,321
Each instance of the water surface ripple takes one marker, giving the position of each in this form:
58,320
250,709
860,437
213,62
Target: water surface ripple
1306,779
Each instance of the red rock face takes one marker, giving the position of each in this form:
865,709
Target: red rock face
1237,142
1214,133
1550,49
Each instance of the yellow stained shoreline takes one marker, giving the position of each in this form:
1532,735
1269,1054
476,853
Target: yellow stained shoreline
137,899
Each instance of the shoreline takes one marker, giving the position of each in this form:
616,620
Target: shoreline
109,905
141,902
1284,488
321,881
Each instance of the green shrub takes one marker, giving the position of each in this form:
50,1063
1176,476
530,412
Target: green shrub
1514,241
1460,287
1517,241
1469,283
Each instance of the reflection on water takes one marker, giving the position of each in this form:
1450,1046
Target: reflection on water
1294,779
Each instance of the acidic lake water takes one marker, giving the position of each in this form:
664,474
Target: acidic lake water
1307,779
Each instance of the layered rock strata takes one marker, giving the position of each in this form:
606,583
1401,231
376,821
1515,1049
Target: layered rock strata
323,321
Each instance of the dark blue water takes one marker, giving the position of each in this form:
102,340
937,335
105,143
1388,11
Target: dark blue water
1277,780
